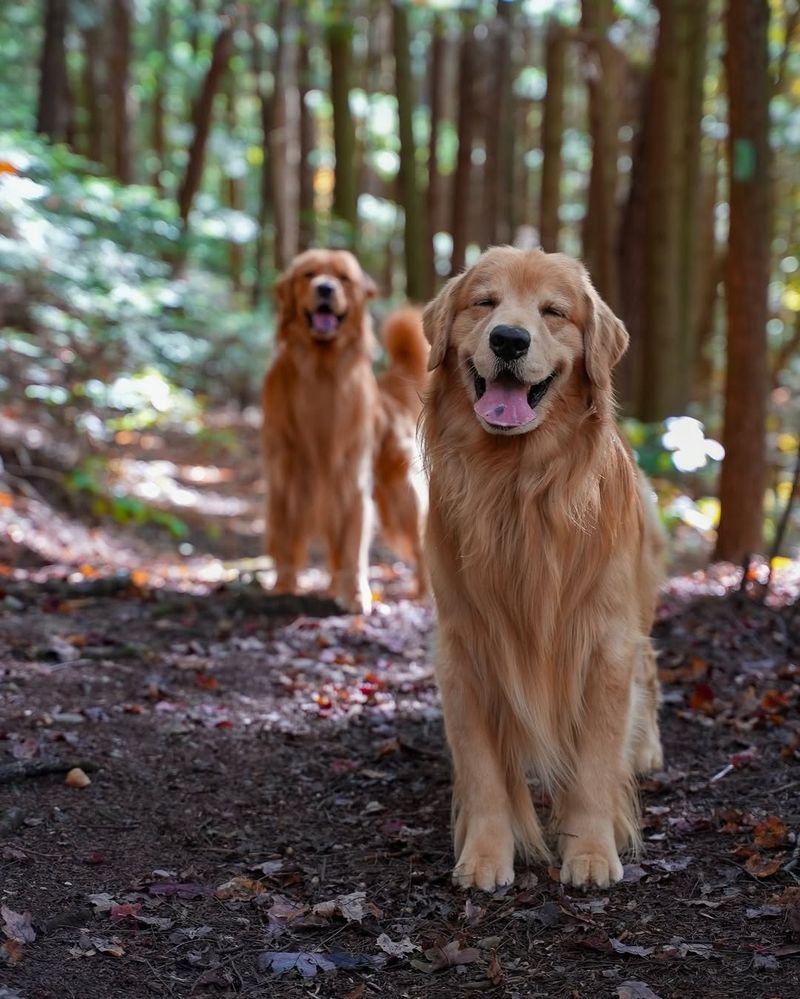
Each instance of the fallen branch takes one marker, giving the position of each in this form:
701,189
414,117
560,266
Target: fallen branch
23,769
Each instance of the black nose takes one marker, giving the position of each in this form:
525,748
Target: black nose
509,342
324,289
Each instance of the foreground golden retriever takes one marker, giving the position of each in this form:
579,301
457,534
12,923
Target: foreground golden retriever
544,557
333,436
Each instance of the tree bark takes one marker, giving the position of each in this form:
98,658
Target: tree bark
434,197
345,190
746,279
462,184
159,135
204,107
498,126
265,180
53,112
119,90
552,136
308,141
602,71
284,140
408,186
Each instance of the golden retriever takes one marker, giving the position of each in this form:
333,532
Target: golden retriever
335,438
544,556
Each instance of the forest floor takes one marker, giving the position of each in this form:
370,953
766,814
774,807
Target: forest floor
268,806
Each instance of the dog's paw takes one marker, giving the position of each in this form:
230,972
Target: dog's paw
485,865
594,866
649,757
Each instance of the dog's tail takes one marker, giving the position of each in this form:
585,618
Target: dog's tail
406,346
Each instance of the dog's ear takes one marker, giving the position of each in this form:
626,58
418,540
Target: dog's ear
437,321
284,292
605,339
369,286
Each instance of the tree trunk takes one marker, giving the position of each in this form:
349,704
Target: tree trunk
498,122
308,141
95,95
265,185
345,189
53,113
552,136
202,120
746,279
231,194
119,89
462,184
162,43
602,71
413,236
435,193
284,140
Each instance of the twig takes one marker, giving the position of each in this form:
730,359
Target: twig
23,769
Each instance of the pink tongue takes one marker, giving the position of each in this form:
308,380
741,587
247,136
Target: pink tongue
505,404
324,322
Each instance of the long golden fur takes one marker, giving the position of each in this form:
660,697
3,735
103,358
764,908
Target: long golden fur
544,555
332,433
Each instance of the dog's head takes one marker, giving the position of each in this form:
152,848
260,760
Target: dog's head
517,328
323,294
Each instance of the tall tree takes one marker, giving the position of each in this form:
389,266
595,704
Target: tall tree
746,279
434,197
462,184
162,44
203,112
602,70
284,139
119,63
552,135
95,97
408,184
345,191
308,140
497,186
53,112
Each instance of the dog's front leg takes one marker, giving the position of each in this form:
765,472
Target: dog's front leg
286,538
349,553
597,813
483,835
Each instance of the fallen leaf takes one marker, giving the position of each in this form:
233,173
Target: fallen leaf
240,889
125,910
395,949
764,912
763,867
446,957
17,925
181,890
547,914
636,990
103,902
769,833
357,992
77,778
702,699
766,962
494,970
473,913
11,952
352,907
281,962
620,948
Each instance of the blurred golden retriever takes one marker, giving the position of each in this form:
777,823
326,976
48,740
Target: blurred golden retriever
544,555
334,437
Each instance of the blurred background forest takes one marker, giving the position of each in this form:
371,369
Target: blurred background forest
162,160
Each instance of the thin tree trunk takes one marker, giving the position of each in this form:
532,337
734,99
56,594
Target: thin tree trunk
284,140
345,192
159,139
746,280
603,78
552,136
308,141
231,187
94,93
204,107
265,184
434,193
119,89
498,122
53,112
462,185
413,237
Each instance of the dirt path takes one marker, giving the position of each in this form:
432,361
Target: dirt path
269,793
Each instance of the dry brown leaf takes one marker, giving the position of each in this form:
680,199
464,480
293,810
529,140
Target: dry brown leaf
77,778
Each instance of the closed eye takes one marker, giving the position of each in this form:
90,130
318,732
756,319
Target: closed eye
344,279
309,275
553,310
484,303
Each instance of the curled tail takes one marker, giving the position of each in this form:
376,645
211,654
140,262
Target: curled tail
408,350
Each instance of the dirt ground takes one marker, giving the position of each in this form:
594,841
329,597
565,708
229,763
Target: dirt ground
268,806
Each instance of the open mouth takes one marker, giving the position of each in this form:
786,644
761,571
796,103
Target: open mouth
323,321
507,403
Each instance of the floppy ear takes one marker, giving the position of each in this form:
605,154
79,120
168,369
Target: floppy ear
284,292
605,339
369,286
437,321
